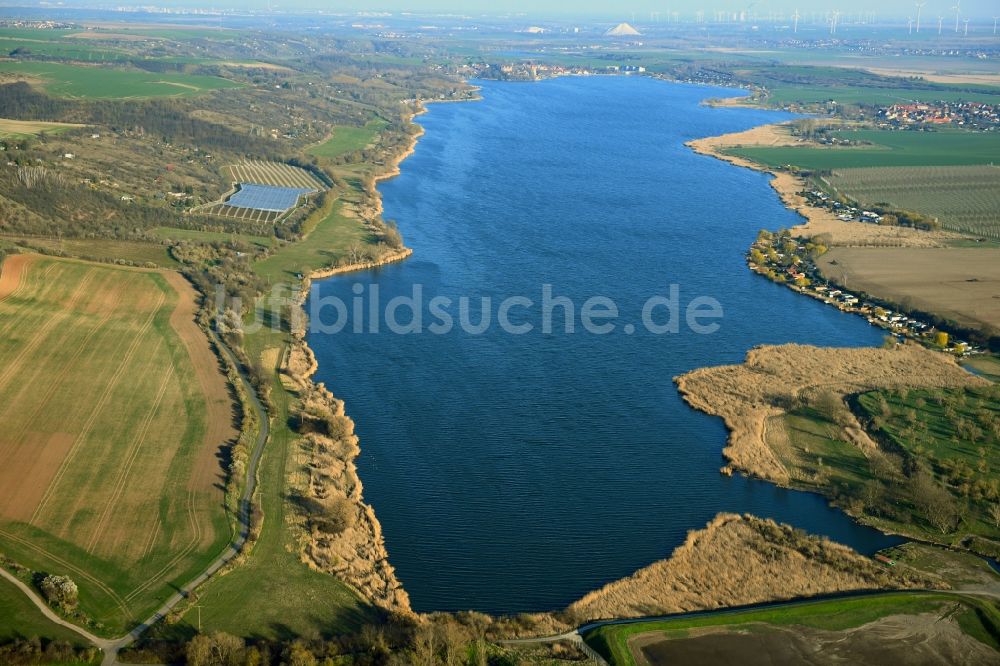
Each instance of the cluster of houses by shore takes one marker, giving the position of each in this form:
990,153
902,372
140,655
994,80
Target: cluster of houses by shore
797,270
971,115
844,212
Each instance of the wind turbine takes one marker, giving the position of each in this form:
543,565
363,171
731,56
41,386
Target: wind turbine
940,21
920,5
966,27
833,23
995,25
958,10
909,26
795,23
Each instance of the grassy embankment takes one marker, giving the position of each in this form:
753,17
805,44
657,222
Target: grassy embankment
126,506
978,619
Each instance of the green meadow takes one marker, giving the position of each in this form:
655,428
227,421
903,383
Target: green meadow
91,82
347,139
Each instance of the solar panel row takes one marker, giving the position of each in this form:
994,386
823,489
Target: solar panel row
267,197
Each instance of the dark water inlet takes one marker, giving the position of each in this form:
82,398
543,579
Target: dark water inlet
517,472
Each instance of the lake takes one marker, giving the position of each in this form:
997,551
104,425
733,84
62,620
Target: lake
515,471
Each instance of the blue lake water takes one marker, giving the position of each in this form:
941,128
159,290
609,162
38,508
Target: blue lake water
517,472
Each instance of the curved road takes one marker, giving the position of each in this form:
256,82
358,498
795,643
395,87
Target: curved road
111,646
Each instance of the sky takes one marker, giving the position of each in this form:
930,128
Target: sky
970,8
622,10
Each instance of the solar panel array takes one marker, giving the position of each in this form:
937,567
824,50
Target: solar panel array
267,197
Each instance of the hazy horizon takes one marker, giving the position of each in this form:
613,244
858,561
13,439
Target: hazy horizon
638,10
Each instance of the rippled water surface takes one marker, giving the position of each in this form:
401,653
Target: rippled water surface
517,472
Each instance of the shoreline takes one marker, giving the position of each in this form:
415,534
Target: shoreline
370,572
816,221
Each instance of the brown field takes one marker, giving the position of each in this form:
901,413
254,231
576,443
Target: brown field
115,414
13,270
962,284
977,78
927,638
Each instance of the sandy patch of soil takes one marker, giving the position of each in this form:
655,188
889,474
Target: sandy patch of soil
981,78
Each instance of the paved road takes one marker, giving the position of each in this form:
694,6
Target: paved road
111,646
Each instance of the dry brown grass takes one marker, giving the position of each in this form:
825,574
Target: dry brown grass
962,284
738,560
774,377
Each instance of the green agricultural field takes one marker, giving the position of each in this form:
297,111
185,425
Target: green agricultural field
806,94
963,198
68,49
349,139
888,149
976,618
114,414
93,82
